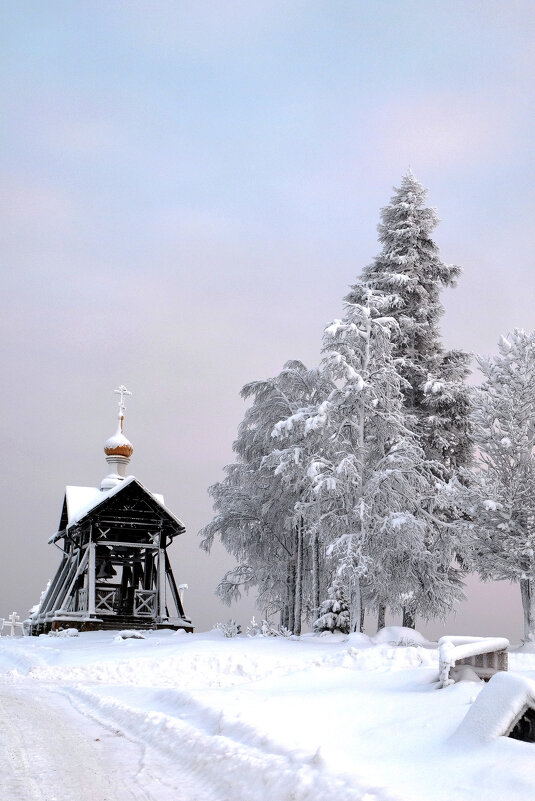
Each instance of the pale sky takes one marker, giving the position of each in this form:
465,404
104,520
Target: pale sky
188,189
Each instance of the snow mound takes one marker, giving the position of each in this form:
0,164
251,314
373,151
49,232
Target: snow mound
464,673
399,635
129,634
70,632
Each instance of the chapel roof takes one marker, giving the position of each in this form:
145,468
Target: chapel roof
80,502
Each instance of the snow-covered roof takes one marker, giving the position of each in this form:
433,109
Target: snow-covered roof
498,707
82,500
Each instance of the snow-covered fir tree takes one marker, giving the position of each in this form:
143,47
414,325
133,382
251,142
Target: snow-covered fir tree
503,491
334,611
256,505
411,275
359,480
373,494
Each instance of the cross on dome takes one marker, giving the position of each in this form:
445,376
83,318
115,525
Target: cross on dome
122,391
118,445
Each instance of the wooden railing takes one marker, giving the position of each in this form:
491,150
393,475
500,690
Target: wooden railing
145,603
484,655
106,599
82,600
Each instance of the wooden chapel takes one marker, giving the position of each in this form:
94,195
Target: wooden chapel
115,572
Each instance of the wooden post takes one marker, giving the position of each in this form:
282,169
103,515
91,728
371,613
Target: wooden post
177,597
161,582
148,571
91,579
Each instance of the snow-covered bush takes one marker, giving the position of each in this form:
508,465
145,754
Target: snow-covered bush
282,631
229,629
333,612
266,629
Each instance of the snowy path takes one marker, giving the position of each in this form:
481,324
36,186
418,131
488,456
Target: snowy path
75,759
199,717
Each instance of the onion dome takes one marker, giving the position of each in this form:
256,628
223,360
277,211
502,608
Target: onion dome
118,445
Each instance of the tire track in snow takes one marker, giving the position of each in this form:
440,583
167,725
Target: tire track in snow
232,769
51,752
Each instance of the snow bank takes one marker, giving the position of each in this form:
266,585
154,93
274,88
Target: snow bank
200,660
243,765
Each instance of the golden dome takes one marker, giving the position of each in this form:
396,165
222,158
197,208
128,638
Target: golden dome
118,445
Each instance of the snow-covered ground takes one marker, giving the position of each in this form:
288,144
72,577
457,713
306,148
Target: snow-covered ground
197,716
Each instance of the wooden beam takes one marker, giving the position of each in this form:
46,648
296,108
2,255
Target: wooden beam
174,590
161,582
133,520
79,570
91,579
120,544
149,571
65,583
52,589
58,585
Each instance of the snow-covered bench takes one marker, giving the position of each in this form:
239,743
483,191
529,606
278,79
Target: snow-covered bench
505,707
484,655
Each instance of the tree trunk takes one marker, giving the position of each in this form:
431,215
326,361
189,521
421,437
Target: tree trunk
355,604
291,593
381,613
315,575
527,590
408,619
356,607
299,582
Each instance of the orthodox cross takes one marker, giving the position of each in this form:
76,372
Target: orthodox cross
13,621
122,391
